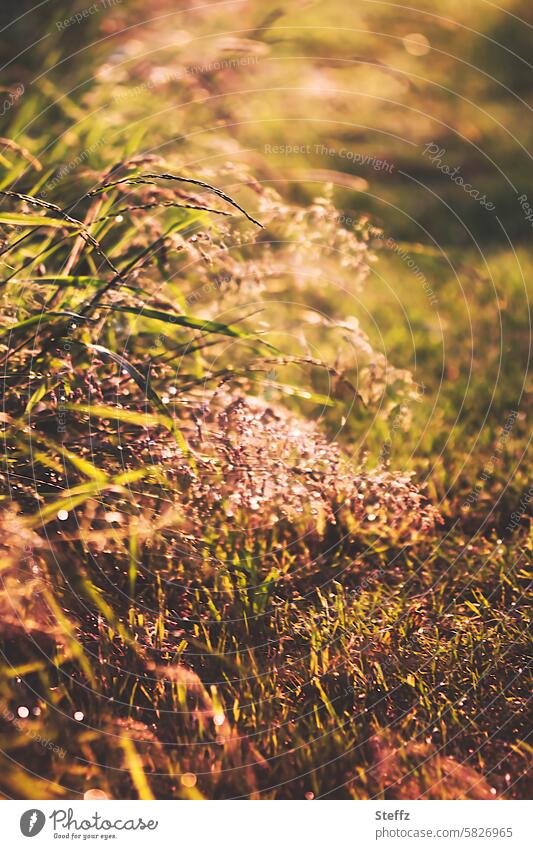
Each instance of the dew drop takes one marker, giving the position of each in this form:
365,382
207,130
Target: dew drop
416,44
95,793
113,516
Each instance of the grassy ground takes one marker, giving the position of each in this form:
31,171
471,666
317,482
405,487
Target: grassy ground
265,474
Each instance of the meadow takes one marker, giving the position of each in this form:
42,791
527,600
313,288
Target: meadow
265,341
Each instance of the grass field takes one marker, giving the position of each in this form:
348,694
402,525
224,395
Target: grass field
265,485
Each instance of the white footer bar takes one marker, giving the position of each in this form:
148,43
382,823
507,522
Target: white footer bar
268,825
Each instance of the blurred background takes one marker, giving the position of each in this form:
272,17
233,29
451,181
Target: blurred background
374,78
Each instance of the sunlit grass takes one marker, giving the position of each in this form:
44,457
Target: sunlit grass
258,484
